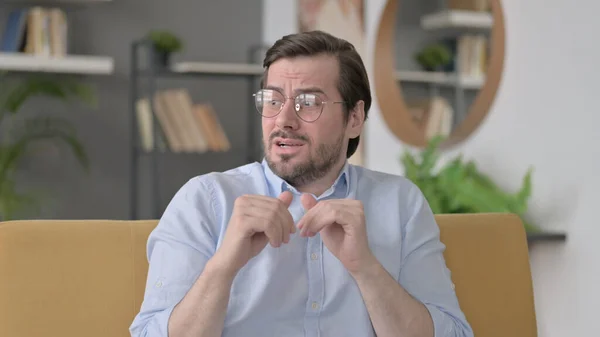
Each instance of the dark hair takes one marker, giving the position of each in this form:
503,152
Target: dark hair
353,81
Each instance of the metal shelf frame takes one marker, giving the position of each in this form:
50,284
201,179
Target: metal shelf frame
151,74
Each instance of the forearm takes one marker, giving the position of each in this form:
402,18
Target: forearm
201,313
393,311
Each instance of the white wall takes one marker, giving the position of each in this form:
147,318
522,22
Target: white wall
279,18
545,115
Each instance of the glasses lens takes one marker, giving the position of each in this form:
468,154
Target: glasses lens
268,102
309,106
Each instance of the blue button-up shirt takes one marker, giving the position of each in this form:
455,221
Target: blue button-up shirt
300,288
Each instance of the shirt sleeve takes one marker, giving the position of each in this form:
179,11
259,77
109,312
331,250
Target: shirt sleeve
424,273
177,251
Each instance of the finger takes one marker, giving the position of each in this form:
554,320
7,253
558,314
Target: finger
274,231
286,197
283,219
270,214
317,224
287,221
287,224
308,201
260,206
321,217
291,223
260,239
260,217
286,217
316,212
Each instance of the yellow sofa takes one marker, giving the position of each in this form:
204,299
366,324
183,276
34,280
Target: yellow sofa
87,278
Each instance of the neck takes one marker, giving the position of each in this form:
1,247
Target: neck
321,185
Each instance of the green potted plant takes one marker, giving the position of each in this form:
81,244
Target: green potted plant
20,133
434,57
164,44
459,187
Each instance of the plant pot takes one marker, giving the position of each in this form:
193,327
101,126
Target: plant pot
438,68
162,59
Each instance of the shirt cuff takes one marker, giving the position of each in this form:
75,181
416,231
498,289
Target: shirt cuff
442,324
159,323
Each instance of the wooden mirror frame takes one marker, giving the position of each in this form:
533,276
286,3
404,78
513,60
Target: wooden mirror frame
387,87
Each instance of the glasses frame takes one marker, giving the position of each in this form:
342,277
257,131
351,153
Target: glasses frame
297,107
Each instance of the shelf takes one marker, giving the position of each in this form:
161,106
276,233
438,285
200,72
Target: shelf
142,68
53,2
457,19
546,236
216,68
440,78
73,64
235,152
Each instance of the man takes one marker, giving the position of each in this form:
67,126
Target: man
303,243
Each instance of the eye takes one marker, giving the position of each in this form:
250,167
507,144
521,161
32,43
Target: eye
309,100
274,103
269,98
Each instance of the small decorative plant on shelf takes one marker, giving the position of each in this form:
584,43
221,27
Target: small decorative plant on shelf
165,44
21,133
459,187
434,57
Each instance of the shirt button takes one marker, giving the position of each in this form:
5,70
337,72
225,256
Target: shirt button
313,256
315,305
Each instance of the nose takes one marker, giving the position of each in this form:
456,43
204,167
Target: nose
287,118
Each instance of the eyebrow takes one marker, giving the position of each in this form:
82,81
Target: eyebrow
310,89
299,90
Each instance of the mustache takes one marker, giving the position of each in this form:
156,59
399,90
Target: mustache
287,135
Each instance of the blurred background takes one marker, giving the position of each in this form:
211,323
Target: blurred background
495,98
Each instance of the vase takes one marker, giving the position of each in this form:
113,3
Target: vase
161,59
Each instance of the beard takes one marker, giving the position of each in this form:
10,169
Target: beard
315,167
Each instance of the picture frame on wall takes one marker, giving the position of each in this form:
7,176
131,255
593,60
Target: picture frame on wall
344,19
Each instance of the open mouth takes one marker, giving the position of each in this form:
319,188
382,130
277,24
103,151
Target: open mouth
286,143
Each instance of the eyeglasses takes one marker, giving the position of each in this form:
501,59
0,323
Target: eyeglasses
308,106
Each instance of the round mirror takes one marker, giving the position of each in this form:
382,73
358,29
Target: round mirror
437,68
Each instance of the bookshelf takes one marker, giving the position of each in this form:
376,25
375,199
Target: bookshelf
54,2
450,18
70,64
419,101
160,116
546,237
35,38
441,78
225,69
470,27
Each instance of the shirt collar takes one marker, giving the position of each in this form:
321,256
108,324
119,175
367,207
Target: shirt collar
340,187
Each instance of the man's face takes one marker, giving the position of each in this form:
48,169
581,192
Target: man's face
296,150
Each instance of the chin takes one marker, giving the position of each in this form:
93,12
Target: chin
285,160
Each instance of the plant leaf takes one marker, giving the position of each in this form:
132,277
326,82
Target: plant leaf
520,202
37,129
459,187
39,85
411,167
14,203
429,156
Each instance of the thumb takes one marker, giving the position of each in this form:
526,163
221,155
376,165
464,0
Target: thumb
308,201
286,197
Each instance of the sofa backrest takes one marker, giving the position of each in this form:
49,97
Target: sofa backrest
489,260
71,278
87,278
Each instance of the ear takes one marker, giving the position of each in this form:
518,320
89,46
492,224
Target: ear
356,119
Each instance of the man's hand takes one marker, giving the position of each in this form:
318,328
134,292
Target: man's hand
341,224
256,220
